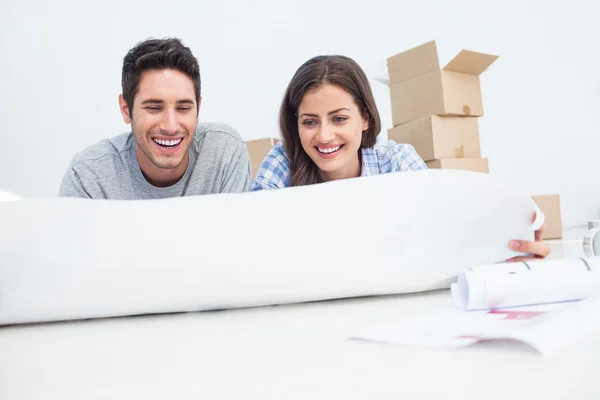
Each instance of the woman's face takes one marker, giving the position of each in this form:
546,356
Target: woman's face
330,127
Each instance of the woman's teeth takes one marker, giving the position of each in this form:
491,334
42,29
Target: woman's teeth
329,150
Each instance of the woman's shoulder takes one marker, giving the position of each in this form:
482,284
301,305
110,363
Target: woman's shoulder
391,148
276,156
392,156
274,171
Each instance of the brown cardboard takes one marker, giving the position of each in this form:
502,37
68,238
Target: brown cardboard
550,206
412,63
468,164
418,87
435,137
259,148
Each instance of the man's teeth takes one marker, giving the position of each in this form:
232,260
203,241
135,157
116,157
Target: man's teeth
167,142
329,150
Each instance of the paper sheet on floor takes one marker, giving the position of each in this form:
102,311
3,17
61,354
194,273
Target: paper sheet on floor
548,328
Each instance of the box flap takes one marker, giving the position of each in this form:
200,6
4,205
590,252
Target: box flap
414,62
470,62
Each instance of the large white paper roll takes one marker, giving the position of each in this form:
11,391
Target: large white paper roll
63,259
6,196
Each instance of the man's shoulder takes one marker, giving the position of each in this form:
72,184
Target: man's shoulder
217,131
104,150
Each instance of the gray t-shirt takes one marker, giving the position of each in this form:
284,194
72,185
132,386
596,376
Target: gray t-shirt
109,169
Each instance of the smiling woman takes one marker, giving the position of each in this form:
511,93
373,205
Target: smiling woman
329,125
331,135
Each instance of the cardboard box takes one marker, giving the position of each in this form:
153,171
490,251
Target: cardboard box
419,88
436,137
550,206
258,150
469,164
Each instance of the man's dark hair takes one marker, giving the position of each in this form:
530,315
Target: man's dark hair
152,54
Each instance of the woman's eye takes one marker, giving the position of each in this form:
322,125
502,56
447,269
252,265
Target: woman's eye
340,119
309,122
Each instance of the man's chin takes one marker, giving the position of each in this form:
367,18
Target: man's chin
163,163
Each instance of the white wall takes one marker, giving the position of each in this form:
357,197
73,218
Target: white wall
60,75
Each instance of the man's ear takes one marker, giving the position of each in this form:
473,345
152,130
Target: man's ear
124,109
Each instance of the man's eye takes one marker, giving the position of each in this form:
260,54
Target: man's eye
153,108
185,108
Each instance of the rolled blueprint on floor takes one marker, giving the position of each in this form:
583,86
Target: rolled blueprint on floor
527,283
64,259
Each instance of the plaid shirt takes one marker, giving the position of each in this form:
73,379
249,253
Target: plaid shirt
383,158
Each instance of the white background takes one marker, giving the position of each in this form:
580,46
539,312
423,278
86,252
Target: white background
61,64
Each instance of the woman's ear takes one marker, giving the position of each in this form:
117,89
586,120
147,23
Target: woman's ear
365,122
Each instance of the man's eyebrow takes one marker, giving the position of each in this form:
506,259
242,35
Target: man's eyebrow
152,101
158,101
329,113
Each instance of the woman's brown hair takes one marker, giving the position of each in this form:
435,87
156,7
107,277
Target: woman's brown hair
336,70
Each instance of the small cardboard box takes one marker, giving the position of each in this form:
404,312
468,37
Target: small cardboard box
550,206
469,164
418,87
436,137
258,150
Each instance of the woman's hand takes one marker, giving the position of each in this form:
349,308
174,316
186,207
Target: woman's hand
538,248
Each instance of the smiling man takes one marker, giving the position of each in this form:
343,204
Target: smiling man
168,153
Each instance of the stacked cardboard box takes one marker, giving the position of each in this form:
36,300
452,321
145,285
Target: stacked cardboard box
258,150
436,110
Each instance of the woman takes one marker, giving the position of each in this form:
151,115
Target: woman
329,125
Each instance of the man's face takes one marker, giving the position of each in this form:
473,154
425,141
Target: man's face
163,122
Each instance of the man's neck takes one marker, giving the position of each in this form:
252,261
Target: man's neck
161,177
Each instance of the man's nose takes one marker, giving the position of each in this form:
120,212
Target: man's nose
169,122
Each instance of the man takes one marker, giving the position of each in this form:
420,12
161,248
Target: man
167,153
